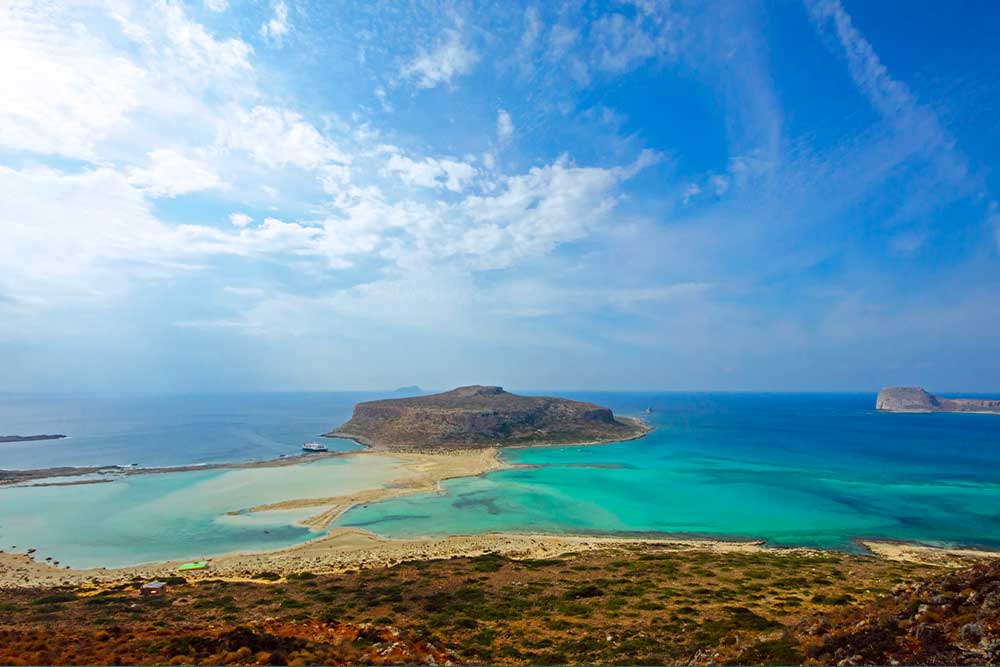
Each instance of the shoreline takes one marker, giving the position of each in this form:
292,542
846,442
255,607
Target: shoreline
339,549
642,430
351,549
12,477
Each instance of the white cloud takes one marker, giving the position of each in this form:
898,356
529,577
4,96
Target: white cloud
88,232
61,91
277,26
450,59
68,89
217,5
383,99
432,173
505,126
620,44
278,137
193,57
170,174
334,178
58,226
534,213
240,219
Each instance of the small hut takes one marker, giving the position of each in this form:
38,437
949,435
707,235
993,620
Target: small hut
153,589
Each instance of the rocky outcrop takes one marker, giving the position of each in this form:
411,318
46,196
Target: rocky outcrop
915,399
482,416
906,399
953,619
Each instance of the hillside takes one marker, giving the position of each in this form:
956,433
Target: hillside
480,416
915,399
639,606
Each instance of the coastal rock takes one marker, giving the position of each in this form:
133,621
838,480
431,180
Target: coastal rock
482,416
915,399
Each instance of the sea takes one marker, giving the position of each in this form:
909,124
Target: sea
819,470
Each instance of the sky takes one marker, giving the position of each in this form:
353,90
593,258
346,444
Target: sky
230,195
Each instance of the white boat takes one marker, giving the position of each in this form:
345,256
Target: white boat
314,447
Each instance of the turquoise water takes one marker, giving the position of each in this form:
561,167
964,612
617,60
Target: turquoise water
815,470
803,469
146,518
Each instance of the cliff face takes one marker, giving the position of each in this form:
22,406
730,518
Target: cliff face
915,399
480,416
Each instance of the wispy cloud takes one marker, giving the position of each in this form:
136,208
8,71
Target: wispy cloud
276,27
891,98
505,126
450,59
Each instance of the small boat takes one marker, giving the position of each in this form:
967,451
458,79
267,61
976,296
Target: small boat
649,411
314,447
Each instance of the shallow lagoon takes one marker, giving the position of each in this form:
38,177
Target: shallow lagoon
145,518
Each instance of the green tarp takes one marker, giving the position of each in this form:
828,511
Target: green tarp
193,566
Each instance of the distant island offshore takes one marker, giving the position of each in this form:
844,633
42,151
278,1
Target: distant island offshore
478,417
915,399
31,438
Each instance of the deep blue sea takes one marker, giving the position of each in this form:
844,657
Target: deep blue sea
168,430
795,469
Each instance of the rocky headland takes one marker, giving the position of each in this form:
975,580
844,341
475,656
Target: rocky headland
915,399
481,416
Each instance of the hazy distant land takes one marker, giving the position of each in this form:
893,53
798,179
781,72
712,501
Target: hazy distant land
30,438
916,399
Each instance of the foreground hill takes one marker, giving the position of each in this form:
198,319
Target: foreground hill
915,399
479,416
638,606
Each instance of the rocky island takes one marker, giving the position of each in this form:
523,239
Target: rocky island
915,399
479,417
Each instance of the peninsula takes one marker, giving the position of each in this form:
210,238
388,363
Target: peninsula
31,438
478,417
915,399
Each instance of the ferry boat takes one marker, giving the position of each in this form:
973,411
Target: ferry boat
314,447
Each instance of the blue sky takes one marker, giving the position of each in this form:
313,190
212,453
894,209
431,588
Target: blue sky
225,195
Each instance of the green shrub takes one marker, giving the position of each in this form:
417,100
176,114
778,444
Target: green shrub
55,598
588,591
